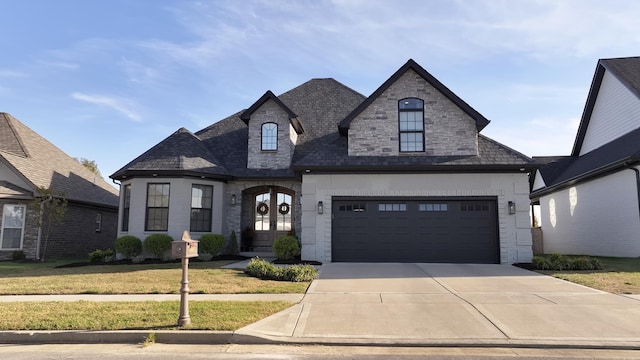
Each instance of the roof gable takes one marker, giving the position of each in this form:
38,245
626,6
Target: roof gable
295,122
480,120
626,70
180,153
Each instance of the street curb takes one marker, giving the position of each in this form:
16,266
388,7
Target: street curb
199,337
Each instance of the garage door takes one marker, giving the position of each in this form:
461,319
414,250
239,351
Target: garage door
415,230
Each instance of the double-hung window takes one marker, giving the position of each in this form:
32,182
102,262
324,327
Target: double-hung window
126,206
201,204
12,231
411,125
157,207
269,136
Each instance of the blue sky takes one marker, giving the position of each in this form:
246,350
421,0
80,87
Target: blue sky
107,80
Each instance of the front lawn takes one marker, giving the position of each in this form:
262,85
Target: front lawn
148,315
618,275
204,278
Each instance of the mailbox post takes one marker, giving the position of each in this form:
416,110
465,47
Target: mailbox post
184,249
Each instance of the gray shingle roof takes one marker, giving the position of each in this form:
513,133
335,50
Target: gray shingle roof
181,153
320,105
612,156
42,164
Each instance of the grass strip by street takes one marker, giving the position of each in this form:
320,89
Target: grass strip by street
204,278
618,275
149,315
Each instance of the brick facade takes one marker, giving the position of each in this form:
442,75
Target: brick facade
448,130
270,112
75,236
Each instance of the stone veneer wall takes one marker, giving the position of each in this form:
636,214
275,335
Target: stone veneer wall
448,130
270,112
241,214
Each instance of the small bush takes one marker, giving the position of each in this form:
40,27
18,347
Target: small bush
129,246
158,244
138,259
559,262
232,248
18,255
286,247
101,255
265,270
211,244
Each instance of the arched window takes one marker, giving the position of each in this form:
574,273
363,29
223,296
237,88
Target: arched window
411,124
269,136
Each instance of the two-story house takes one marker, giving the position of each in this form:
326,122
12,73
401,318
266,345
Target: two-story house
400,176
589,201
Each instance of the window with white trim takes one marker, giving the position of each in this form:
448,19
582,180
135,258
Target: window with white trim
12,232
201,205
157,207
411,125
270,136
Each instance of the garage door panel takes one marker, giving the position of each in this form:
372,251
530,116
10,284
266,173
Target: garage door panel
415,230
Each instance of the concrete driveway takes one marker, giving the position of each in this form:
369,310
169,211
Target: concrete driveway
456,304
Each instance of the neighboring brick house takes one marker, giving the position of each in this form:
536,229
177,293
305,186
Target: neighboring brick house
27,162
400,176
589,201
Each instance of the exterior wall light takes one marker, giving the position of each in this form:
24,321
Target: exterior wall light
233,199
320,207
512,207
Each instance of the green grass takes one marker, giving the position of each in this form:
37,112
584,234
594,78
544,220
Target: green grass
152,315
618,276
204,278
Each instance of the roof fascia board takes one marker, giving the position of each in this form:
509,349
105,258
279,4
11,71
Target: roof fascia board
436,169
480,120
588,108
293,118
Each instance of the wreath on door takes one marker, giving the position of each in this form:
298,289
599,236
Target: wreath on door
284,208
263,209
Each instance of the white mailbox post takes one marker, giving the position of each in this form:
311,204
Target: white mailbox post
184,249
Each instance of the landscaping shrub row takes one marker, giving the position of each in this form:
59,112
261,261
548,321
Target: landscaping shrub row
562,262
267,271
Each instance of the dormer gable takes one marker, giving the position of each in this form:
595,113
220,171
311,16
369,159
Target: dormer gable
273,133
412,113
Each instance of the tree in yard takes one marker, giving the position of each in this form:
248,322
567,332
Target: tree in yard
89,164
50,207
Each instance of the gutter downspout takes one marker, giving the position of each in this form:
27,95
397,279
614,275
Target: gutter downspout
637,183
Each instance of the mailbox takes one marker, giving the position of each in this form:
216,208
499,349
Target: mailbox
185,248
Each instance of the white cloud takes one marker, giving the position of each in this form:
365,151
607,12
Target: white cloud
123,106
12,74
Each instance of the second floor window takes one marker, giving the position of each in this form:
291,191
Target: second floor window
270,136
201,204
157,207
411,125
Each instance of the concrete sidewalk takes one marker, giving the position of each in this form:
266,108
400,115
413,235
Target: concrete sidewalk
405,304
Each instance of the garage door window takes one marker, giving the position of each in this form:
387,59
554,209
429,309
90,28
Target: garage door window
392,207
352,207
433,207
474,207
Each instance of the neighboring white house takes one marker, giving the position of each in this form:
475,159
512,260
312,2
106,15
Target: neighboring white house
589,201
400,176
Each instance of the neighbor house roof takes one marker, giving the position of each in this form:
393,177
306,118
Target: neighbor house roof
41,164
480,120
615,155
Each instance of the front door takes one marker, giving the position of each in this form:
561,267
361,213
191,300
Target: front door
273,214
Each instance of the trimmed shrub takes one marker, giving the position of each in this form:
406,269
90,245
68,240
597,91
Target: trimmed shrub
232,248
101,255
158,244
559,262
267,271
211,244
286,247
129,246
18,255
